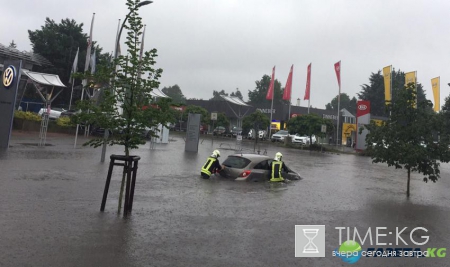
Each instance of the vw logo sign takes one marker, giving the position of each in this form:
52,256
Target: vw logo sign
362,107
8,77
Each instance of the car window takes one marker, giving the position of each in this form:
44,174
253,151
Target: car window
236,162
282,132
263,165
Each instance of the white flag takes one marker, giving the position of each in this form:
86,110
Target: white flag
74,66
92,63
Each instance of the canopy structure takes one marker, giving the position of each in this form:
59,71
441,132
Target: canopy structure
237,101
158,93
44,78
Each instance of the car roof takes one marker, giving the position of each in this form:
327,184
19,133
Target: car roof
252,157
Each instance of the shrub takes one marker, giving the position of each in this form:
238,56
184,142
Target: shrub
64,121
27,115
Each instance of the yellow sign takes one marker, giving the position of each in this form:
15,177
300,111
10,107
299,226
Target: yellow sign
347,132
387,83
378,122
8,76
410,77
435,85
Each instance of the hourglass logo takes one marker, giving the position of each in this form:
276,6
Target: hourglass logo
310,241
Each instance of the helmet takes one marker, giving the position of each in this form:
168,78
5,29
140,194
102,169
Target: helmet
215,154
278,156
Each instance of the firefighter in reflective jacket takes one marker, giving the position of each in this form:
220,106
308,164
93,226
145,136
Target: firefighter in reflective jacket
276,167
212,165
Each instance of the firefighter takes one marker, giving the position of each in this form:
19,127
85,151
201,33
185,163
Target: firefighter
212,165
276,167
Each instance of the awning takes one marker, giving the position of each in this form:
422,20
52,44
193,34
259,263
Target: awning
44,78
235,100
158,93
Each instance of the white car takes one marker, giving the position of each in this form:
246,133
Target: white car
279,136
262,135
303,140
54,113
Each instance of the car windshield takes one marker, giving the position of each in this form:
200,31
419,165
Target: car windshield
282,132
236,162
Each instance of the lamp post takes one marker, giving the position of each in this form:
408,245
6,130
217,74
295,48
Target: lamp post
143,3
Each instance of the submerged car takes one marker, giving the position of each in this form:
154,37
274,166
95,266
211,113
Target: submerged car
252,168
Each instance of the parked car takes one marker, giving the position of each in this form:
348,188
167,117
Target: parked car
219,130
252,168
69,113
55,113
262,134
303,139
235,131
279,136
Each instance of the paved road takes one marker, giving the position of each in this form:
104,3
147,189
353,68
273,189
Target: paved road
50,200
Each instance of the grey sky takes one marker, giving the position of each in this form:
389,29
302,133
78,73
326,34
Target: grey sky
207,45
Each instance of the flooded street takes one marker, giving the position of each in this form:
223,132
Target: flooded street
50,207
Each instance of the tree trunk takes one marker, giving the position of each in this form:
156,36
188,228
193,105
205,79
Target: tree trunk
409,179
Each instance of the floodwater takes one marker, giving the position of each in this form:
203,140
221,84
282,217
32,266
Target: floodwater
50,208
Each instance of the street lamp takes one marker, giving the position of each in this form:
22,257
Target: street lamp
144,3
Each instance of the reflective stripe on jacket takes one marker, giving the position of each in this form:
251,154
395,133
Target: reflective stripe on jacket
207,168
276,171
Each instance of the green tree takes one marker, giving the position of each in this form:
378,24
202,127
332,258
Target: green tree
175,93
406,139
237,94
197,110
217,95
58,42
222,120
374,91
309,125
12,44
258,95
444,129
126,90
346,102
257,121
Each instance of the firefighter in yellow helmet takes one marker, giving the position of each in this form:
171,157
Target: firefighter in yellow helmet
212,165
276,167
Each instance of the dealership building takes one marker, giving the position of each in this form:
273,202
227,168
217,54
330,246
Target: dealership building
235,111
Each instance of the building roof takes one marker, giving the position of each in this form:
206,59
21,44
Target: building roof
31,57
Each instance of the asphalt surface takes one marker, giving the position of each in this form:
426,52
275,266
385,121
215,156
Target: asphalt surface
50,207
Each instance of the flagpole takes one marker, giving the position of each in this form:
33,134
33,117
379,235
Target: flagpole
339,103
309,97
86,66
71,94
271,108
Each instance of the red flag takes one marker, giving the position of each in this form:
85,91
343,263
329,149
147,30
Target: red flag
337,68
288,87
270,92
308,83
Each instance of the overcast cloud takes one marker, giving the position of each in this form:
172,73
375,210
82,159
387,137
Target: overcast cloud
207,45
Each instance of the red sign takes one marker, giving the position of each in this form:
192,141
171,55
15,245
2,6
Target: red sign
337,68
271,90
288,87
362,108
308,83
295,115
